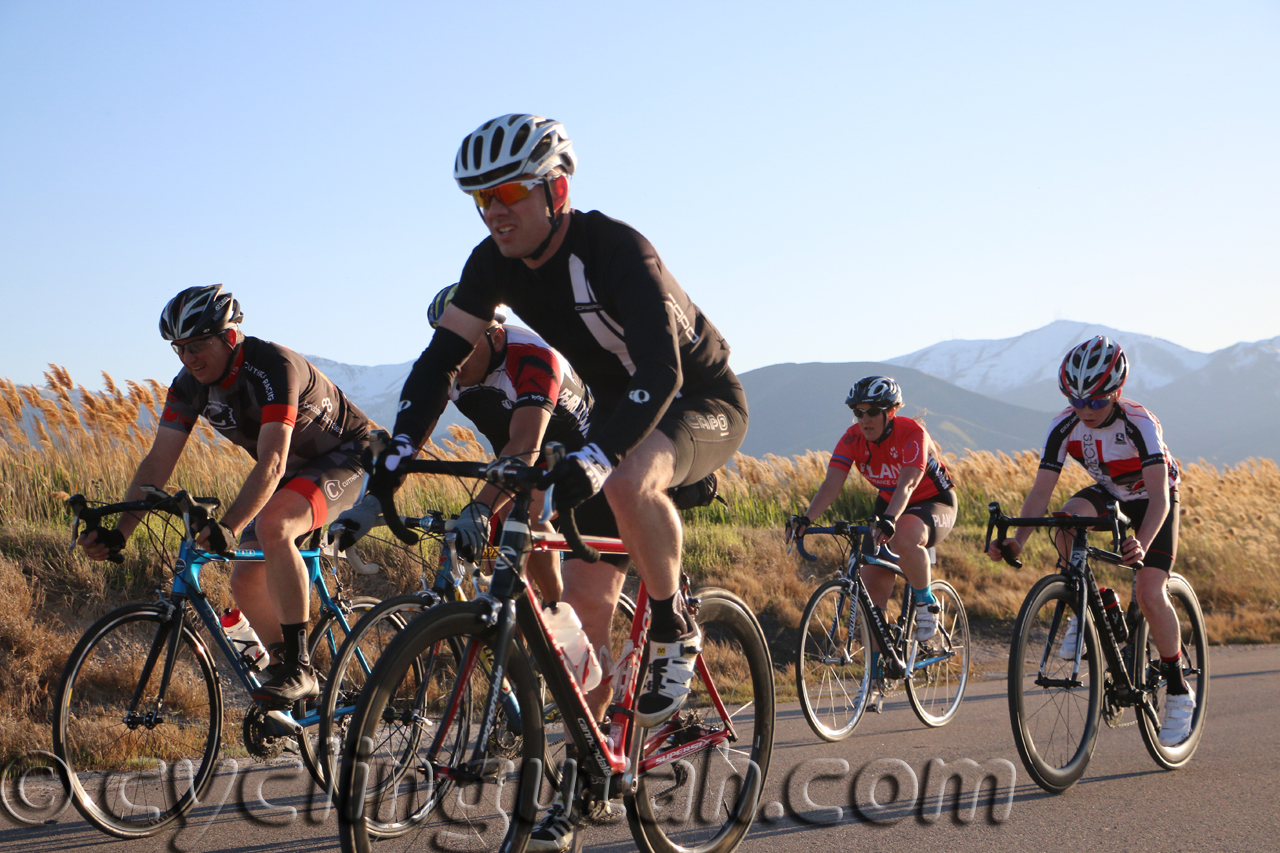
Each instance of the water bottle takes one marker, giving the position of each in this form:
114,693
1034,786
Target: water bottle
566,630
243,638
1114,614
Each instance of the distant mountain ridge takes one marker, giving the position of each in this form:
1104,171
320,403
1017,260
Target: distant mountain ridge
981,395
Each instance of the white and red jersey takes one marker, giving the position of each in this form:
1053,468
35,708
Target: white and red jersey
528,373
905,444
1115,453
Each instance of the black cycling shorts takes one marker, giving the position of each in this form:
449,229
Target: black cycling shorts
330,483
938,514
705,429
1164,548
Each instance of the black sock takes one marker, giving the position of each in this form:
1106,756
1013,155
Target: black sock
666,626
1175,684
295,646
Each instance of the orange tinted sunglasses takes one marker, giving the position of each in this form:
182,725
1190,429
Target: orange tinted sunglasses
508,194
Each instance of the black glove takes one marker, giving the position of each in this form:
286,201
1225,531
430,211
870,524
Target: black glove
384,479
577,477
885,526
472,527
113,539
796,526
218,538
352,524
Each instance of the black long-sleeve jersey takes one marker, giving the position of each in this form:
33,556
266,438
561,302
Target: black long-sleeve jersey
607,302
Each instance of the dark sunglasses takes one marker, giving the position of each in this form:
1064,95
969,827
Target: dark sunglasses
195,346
1082,403
869,412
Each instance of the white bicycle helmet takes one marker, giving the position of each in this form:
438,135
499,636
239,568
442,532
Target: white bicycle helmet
1093,369
199,311
508,146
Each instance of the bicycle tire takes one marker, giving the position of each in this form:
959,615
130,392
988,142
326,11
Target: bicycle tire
323,646
737,657
553,725
1195,668
91,736
1054,728
935,691
833,666
419,806
370,636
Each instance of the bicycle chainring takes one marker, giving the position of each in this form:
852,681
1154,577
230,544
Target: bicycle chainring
1112,711
259,735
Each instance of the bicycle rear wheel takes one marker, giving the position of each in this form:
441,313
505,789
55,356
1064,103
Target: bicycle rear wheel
705,801
941,664
434,796
833,663
133,773
1195,670
1055,720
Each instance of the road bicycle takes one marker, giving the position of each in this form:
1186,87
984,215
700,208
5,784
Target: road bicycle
1056,702
692,783
369,637
839,670
139,713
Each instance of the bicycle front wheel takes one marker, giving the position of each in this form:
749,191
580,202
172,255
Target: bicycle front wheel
1195,670
323,646
133,768
833,662
704,801
940,669
429,689
1055,716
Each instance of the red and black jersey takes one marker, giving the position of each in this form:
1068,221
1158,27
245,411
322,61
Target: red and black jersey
1115,453
268,383
905,444
529,373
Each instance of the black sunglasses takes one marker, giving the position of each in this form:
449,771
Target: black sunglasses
868,412
1081,403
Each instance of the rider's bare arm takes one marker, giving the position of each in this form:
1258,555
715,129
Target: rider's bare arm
261,484
1033,507
154,470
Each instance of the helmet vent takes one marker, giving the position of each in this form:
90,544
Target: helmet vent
495,147
518,140
477,150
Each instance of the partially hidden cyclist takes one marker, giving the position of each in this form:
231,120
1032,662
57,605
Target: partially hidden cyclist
1121,445
668,412
519,393
916,502
305,437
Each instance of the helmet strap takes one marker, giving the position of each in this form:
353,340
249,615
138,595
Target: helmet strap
554,216
495,355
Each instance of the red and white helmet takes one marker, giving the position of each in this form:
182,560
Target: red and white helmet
518,144
1093,369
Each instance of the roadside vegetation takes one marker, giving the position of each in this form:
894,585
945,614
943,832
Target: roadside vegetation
65,439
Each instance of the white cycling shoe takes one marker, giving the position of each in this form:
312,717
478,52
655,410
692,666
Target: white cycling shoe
1178,712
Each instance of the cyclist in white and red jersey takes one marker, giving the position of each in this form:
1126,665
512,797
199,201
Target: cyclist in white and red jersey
305,437
916,505
1122,447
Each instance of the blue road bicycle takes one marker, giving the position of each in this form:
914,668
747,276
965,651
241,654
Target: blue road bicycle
138,719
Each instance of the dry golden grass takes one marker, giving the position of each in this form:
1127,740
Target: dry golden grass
64,438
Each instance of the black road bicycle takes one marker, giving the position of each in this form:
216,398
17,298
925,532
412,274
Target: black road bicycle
838,670
1057,702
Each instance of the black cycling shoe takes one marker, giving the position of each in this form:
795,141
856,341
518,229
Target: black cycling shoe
286,689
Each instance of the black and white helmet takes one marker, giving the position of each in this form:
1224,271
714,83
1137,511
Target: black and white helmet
877,390
199,311
1093,369
517,144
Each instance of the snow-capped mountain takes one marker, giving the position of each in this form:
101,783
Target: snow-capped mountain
1023,370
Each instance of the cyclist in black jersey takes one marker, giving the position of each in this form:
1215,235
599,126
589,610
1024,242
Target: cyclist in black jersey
668,411
306,439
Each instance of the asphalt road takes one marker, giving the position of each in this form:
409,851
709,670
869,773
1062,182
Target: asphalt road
1224,800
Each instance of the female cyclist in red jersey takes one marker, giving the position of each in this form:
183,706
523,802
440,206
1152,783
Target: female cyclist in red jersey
916,505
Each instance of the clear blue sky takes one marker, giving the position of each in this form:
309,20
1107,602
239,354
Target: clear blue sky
830,182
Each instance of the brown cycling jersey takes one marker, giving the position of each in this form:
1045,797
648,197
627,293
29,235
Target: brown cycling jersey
267,383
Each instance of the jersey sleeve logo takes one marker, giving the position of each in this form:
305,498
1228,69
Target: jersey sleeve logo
911,452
